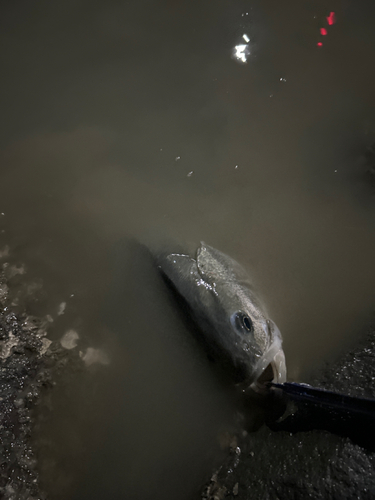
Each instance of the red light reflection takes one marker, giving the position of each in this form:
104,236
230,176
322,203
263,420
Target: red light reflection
331,19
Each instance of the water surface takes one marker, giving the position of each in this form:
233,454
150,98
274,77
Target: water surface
133,121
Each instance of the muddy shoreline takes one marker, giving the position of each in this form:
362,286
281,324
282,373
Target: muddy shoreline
31,367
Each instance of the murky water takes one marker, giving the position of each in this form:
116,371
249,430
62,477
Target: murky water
128,121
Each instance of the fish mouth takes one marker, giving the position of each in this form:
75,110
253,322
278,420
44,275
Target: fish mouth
271,368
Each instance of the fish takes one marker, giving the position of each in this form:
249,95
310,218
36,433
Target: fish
231,320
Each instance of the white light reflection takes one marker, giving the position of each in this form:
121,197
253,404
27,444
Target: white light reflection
207,286
241,52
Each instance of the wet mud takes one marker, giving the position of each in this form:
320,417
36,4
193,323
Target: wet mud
35,362
30,364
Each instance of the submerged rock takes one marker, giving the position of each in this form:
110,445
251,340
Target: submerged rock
69,339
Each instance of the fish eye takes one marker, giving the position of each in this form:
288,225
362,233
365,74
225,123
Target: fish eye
247,323
242,322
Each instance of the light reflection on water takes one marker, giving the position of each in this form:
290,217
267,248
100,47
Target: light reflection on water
99,102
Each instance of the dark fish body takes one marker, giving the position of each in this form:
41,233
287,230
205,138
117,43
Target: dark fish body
232,321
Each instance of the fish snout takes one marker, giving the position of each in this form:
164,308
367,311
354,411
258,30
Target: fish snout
270,368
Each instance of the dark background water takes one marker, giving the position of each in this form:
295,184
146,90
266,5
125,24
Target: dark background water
127,120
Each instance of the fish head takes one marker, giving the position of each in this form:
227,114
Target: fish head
232,321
